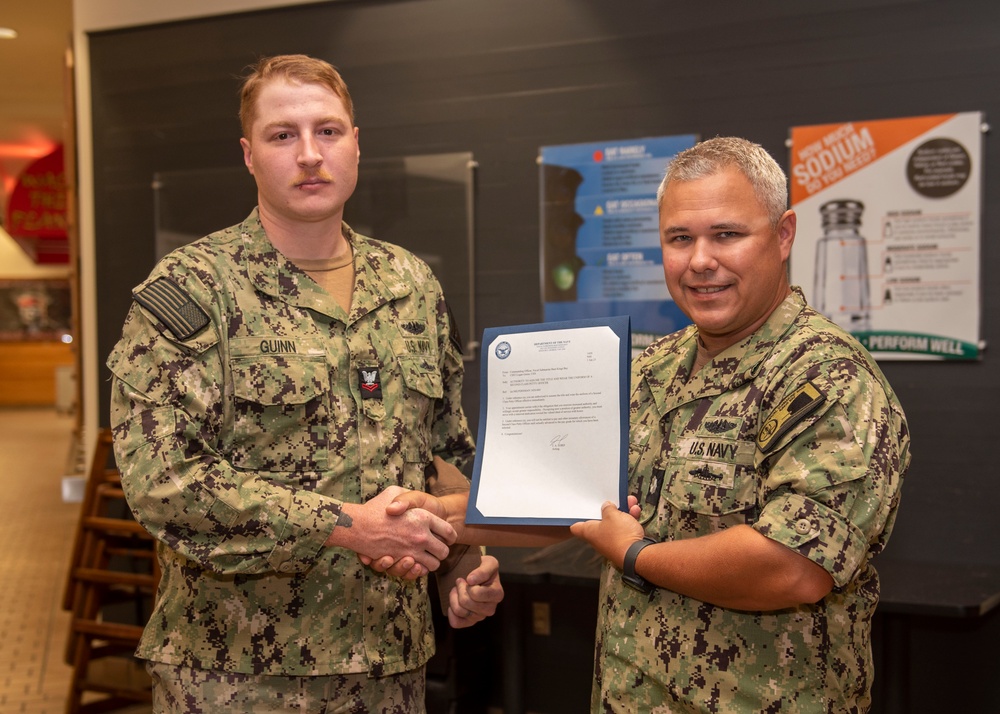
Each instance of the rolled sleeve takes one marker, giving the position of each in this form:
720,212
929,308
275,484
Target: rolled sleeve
824,496
816,531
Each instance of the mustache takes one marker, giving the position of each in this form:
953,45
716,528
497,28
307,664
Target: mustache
322,175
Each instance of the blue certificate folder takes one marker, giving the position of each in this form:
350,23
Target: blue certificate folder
519,487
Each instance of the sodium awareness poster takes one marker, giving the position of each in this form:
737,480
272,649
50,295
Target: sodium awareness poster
888,237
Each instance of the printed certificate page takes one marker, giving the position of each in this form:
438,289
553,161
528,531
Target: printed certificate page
553,423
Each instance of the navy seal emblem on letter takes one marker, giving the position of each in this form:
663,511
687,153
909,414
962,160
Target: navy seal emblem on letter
503,350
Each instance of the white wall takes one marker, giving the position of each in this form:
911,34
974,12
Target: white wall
94,15
15,263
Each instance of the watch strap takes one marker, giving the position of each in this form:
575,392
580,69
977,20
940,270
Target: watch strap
628,566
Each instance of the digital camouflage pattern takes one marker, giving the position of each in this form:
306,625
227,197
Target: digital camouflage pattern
795,432
183,690
238,442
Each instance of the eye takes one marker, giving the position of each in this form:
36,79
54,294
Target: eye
281,135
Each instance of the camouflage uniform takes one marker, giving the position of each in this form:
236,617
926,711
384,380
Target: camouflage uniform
795,432
247,406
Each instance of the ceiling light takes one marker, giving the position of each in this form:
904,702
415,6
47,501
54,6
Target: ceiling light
7,33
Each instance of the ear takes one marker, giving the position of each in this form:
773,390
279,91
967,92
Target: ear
247,155
357,143
786,233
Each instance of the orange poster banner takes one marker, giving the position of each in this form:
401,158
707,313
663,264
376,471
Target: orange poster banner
824,154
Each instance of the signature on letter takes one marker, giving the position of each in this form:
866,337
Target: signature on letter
558,441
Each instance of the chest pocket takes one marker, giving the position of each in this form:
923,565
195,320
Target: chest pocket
281,412
711,476
423,388
422,378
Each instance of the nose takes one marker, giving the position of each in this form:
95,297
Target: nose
703,256
309,154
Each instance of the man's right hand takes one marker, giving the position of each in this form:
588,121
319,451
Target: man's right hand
370,531
406,568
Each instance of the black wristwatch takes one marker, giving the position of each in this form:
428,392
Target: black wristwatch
629,577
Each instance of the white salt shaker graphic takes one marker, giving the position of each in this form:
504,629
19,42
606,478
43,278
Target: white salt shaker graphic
840,288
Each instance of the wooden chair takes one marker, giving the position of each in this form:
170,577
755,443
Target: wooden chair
113,563
99,473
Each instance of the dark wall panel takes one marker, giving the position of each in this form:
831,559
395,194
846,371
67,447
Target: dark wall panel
503,79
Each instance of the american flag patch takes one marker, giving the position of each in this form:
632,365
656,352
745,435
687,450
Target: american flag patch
172,306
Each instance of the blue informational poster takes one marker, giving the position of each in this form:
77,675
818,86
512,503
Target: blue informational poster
600,244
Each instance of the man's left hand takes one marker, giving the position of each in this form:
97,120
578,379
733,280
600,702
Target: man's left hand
614,533
475,597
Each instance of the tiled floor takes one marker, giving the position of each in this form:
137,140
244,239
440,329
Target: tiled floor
36,537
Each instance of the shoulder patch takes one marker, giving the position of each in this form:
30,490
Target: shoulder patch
792,408
173,307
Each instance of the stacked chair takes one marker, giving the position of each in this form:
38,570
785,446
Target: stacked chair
109,590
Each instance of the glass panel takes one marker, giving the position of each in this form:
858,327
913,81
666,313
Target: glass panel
190,204
425,204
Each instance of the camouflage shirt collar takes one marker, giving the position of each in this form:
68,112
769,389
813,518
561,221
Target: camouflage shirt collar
783,316
730,368
273,274
371,257
752,351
